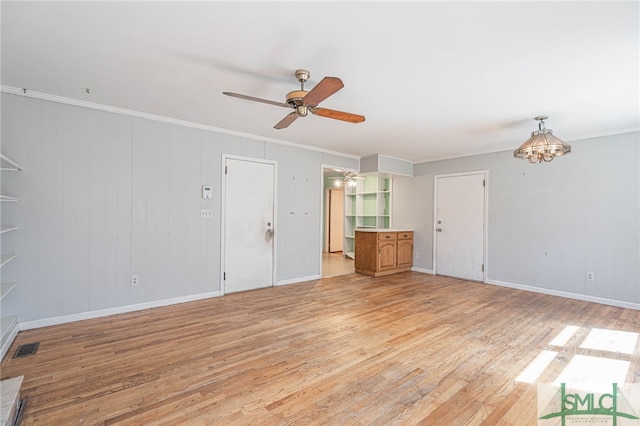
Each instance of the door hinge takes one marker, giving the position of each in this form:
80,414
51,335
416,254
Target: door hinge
225,170
224,276
483,267
484,182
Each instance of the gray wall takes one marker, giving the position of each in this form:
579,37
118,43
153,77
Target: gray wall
548,223
105,196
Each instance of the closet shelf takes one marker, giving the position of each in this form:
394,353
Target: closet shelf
8,198
5,229
7,324
8,164
5,288
6,258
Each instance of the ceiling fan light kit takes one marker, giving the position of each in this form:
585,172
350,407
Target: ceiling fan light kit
542,145
303,101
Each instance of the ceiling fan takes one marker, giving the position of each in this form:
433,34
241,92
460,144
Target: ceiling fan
303,101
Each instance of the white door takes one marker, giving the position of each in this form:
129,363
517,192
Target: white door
336,220
459,226
249,225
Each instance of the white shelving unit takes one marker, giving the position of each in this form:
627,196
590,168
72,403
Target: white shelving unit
8,324
367,205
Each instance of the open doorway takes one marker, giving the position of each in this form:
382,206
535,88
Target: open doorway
333,260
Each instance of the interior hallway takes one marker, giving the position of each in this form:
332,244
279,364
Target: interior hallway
334,264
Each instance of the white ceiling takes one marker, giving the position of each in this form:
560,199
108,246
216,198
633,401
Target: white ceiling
434,79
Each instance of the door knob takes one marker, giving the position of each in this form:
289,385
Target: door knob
439,229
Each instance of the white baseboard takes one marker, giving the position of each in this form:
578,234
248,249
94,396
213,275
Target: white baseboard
28,325
299,280
423,270
583,297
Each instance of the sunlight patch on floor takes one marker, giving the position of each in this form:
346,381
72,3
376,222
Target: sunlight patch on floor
564,336
611,340
536,367
593,373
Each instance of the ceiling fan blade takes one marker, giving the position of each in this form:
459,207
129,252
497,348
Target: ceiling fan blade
285,122
338,115
327,87
251,98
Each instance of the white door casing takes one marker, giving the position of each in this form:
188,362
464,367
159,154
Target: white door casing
459,225
336,220
248,224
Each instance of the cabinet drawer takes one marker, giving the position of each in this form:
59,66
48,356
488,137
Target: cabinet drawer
405,235
386,236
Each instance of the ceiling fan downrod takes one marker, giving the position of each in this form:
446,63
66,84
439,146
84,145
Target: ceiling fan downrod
302,76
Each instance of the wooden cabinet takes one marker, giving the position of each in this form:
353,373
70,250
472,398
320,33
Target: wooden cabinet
382,252
405,250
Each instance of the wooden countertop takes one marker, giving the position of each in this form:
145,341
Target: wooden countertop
383,230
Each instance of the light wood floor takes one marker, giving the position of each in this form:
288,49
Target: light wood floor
334,264
403,349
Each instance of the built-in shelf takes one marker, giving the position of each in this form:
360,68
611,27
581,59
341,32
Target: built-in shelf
367,205
8,164
9,324
5,229
6,258
5,288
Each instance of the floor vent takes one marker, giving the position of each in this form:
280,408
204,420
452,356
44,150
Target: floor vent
26,350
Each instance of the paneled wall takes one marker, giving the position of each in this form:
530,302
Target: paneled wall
106,196
549,224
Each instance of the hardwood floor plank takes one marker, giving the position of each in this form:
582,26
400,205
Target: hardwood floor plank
402,349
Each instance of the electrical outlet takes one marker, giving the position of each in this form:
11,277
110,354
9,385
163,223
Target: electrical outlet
206,214
134,280
590,276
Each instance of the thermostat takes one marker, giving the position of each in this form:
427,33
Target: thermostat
206,191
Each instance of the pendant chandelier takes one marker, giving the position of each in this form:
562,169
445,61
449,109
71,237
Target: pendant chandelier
542,145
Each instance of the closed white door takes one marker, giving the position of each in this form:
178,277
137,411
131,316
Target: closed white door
336,220
249,225
459,226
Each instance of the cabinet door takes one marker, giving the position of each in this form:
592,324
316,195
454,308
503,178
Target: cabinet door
405,253
386,255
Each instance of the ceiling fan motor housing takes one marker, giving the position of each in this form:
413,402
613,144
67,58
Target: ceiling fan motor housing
295,100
